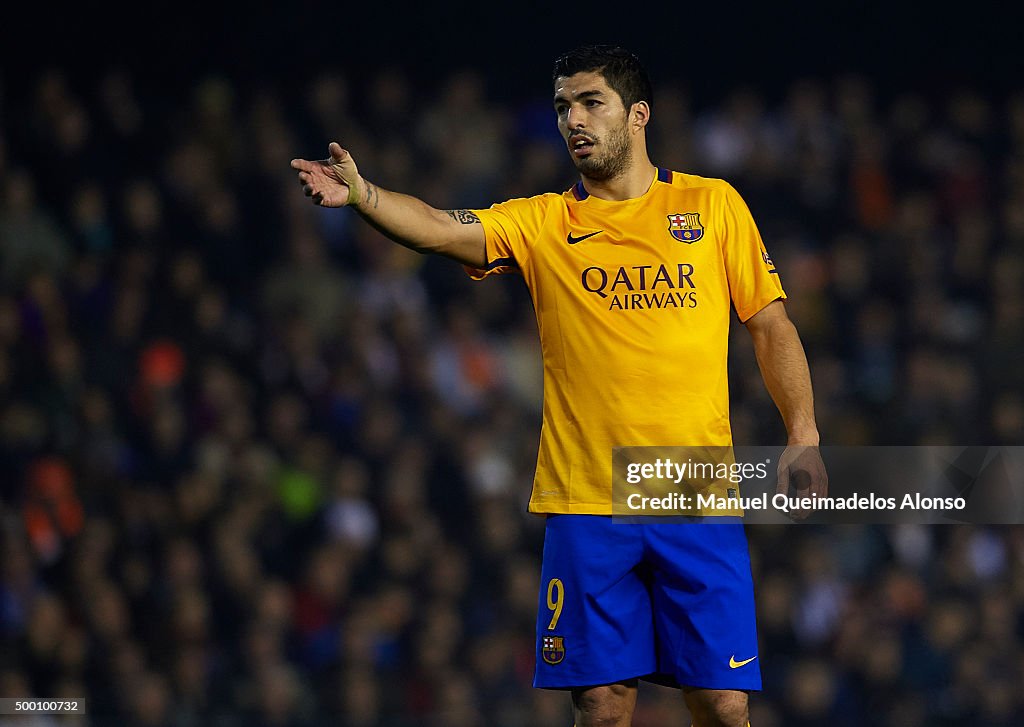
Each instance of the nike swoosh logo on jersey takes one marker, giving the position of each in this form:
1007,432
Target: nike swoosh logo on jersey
573,240
733,664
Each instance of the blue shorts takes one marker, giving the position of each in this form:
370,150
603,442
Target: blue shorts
670,602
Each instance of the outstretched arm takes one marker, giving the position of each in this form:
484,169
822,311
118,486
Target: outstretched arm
787,378
336,182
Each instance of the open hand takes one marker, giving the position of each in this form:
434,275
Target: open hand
332,182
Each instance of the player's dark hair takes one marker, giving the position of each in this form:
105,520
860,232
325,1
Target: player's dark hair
620,68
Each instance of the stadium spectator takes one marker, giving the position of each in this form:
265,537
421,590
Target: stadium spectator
257,470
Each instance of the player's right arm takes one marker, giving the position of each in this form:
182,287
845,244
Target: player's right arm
336,182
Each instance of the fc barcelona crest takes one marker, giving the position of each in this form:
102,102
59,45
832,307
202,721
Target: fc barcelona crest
552,648
686,227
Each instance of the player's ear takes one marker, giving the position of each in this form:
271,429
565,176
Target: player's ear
640,114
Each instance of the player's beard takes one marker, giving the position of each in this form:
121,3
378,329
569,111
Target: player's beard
612,161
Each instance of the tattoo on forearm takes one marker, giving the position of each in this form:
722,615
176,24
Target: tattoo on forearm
372,195
466,217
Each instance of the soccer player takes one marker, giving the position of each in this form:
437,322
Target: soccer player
633,272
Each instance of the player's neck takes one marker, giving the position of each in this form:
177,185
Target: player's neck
634,182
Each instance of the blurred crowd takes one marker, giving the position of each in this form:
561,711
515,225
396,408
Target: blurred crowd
262,467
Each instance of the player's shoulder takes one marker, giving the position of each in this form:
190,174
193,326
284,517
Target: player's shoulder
720,194
528,204
527,212
684,180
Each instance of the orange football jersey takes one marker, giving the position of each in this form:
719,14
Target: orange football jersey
633,305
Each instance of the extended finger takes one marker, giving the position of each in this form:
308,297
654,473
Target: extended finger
821,481
336,153
783,482
302,165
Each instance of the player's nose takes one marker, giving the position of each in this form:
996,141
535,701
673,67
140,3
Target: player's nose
576,118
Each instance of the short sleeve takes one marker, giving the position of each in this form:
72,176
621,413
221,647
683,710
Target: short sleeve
753,280
505,238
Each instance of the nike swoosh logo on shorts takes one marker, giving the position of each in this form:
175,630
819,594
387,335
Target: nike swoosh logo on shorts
573,240
733,664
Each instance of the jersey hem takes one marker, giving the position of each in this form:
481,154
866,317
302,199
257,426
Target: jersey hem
607,511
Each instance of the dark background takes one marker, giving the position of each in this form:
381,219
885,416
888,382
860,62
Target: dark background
259,466
935,47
